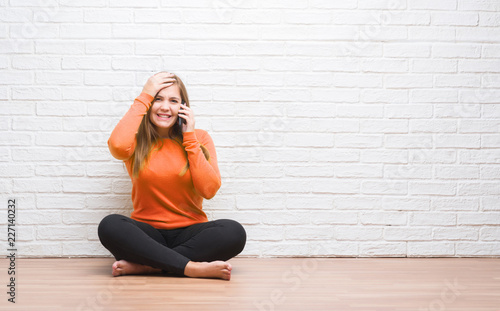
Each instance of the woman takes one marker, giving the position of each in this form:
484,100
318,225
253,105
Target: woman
172,167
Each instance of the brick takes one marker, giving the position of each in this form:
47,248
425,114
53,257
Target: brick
264,233
309,171
55,47
458,141
478,188
384,187
262,202
60,170
455,204
15,139
123,186
47,233
86,185
383,218
16,170
455,19
405,50
384,126
455,234
357,203
309,140
454,172
430,249
405,233
408,171
384,156
85,31
382,249
432,188
408,141
351,233
358,141
57,202
456,50
448,5
335,186
37,185
36,93
489,234
358,170
478,218
87,247
469,249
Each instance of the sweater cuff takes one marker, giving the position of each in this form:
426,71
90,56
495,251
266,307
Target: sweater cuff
146,99
190,140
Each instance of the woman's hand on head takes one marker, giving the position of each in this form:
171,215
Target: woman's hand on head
157,82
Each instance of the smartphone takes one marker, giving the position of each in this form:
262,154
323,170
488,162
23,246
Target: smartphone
180,120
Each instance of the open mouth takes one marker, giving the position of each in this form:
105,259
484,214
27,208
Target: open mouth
163,116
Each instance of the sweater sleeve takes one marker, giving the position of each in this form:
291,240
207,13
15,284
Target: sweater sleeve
122,141
205,174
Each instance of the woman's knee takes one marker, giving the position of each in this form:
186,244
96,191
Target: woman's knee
235,233
108,225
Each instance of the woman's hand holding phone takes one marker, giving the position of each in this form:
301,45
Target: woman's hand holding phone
186,118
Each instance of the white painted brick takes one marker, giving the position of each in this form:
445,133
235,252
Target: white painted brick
408,81
382,249
335,65
408,141
37,185
245,218
334,218
455,204
6,186
16,170
475,34
56,202
426,33
16,77
102,48
478,218
5,154
471,5
432,188
479,156
36,154
458,141
456,50
309,171
383,218
60,170
460,80
41,249
355,233
283,249
57,46
400,233
469,249
385,65
384,126
292,185
262,202
123,186
434,66
33,217
40,124
433,219
309,140
456,234
335,186
491,50
430,249
309,232
455,19
384,187
479,65
407,50
15,139
384,156
408,171
489,234
384,96
407,111
358,170
48,233
434,96
360,111
358,141
448,5
478,188
454,172
357,203
470,110
88,247
265,233
60,139
335,155
16,47
433,126
59,78
36,93
85,31
86,185
490,172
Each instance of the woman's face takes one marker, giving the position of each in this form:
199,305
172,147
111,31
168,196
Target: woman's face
164,109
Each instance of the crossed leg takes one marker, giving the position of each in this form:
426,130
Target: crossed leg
200,250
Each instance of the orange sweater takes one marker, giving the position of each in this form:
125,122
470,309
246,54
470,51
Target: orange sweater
160,196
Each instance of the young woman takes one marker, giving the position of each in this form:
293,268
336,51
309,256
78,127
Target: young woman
173,167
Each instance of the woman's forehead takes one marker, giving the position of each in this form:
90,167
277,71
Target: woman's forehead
171,91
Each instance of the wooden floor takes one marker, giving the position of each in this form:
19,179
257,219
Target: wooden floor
86,284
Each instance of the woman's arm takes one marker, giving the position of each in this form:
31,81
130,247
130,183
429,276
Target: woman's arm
122,141
204,173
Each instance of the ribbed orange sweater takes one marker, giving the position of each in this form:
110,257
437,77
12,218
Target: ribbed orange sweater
160,196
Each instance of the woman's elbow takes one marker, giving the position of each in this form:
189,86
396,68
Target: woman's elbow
210,192
118,151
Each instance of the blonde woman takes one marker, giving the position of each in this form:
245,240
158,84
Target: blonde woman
173,167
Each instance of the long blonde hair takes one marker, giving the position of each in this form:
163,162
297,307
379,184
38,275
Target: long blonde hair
148,138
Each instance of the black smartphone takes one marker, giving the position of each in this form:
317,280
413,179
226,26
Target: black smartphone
180,120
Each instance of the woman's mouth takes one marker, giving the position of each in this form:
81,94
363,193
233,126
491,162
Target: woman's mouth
163,116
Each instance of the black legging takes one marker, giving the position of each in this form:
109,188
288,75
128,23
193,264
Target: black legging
171,250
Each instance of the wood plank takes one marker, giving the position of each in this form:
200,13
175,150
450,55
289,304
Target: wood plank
263,284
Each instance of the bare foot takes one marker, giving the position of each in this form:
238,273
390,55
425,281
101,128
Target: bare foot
214,269
123,267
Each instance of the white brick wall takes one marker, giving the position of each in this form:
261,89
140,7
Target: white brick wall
343,128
